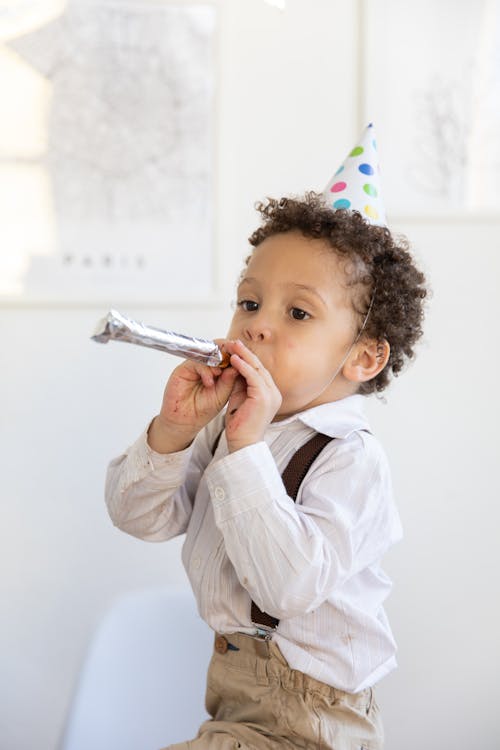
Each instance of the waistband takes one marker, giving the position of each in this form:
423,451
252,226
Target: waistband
263,658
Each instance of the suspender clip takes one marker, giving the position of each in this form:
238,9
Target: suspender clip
263,634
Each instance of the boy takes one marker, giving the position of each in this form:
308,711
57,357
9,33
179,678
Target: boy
328,304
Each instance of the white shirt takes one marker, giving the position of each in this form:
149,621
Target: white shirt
313,564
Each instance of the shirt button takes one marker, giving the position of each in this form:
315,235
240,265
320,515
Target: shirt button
220,644
219,493
196,563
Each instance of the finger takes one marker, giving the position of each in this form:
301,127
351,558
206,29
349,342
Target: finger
228,375
207,378
256,366
238,347
206,374
253,375
250,357
225,382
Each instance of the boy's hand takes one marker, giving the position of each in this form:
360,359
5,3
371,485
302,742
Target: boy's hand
193,396
254,400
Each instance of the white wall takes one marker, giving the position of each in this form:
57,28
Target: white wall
440,430
68,406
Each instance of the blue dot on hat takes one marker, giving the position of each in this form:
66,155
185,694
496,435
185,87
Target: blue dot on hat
342,203
339,170
366,169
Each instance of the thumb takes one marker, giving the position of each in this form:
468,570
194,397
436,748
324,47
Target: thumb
225,383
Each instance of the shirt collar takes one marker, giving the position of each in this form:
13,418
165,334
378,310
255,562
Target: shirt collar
337,419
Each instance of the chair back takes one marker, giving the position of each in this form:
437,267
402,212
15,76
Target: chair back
142,684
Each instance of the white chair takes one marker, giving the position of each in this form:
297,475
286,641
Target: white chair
142,685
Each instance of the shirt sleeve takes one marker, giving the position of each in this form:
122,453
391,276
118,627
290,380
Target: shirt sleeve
292,556
150,495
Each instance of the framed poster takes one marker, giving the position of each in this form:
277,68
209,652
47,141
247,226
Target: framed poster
106,151
431,85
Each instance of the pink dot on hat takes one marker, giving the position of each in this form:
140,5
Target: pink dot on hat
338,186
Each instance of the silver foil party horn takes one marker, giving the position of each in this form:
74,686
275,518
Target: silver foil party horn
117,327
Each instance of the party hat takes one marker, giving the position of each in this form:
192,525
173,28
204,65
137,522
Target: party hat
356,183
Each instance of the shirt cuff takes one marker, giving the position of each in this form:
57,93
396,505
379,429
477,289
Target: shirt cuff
141,460
243,481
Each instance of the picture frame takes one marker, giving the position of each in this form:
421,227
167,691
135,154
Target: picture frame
106,153
430,83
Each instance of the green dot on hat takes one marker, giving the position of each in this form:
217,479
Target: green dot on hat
370,190
357,151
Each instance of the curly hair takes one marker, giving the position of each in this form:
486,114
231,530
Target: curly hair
379,266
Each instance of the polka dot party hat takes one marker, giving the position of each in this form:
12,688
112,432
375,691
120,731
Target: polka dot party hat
356,183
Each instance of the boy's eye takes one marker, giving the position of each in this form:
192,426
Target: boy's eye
298,314
248,305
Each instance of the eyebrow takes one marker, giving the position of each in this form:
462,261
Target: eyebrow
298,287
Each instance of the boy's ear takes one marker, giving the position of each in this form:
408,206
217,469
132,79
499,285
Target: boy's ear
368,358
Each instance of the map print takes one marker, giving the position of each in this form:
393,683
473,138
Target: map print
121,179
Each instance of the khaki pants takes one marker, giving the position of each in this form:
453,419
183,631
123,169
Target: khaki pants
258,703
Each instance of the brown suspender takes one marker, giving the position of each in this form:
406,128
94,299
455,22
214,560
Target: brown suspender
293,476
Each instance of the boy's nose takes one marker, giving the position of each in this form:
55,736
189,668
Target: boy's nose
257,330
